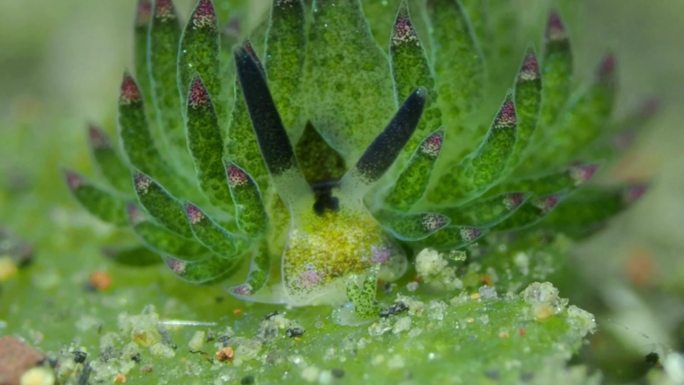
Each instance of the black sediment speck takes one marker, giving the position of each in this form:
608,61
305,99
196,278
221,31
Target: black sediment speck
294,332
395,308
79,356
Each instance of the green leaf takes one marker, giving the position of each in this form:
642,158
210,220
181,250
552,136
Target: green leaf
411,227
136,256
487,212
206,146
485,166
566,179
99,202
452,237
198,55
557,70
205,271
478,15
135,135
285,51
143,20
212,235
164,37
411,70
589,209
160,239
161,204
110,164
376,13
528,98
241,146
250,213
413,180
458,62
258,274
348,80
584,121
530,213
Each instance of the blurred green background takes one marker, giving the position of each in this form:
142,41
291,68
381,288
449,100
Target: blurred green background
61,62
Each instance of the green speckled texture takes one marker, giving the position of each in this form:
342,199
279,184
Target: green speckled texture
101,203
284,60
250,213
413,181
340,84
205,144
486,212
109,162
163,37
205,271
137,141
161,205
585,119
470,313
458,63
198,55
212,235
485,166
528,100
411,227
410,70
241,145
162,240
557,72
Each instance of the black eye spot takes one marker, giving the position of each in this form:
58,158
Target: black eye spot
325,201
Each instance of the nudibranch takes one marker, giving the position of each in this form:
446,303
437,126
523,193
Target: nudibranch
333,237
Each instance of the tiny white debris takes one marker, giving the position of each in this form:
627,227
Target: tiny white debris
435,271
581,320
544,300
379,327
487,292
522,261
310,374
436,310
403,324
415,332
412,286
162,350
415,307
197,341
245,349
